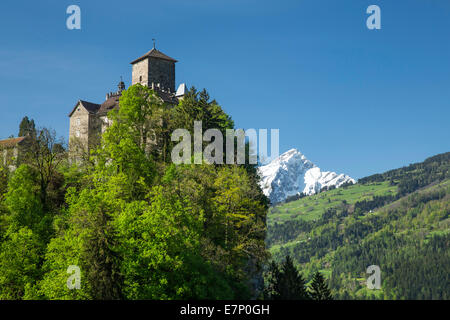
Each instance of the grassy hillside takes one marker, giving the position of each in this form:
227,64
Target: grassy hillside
398,220
312,207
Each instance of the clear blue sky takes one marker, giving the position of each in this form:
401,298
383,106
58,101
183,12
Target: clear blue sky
352,100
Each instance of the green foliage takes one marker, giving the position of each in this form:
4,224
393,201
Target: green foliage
406,236
160,246
23,201
44,153
136,226
4,176
86,241
318,289
197,106
272,281
27,208
128,141
285,282
19,264
233,229
285,220
417,175
3,181
62,252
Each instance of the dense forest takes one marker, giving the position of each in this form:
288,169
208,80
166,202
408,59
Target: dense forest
398,220
415,175
135,225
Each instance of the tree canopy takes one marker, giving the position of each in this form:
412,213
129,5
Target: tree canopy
136,225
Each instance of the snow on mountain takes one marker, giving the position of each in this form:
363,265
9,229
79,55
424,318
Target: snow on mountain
291,174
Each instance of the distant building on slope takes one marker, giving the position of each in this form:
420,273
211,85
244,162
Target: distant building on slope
89,120
11,151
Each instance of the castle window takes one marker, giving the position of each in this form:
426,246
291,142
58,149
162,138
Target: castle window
77,134
78,121
140,78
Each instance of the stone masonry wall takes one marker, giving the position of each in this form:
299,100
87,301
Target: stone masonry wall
9,157
140,73
154,70
79,125
84,132
163,72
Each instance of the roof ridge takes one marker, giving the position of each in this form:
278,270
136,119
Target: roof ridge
11,141
88,102
154,53
91,107
13,138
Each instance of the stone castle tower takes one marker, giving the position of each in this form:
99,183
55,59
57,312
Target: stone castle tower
89,120
154,68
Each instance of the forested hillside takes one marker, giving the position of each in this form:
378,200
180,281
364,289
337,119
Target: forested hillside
135,225
398,220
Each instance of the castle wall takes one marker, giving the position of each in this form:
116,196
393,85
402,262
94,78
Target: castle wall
163,72
84,132
9,157
95,130
140,73
154,70
79,125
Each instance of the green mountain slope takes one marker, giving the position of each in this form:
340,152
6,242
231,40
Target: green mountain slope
398,220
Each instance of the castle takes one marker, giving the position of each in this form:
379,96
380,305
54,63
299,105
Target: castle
89,120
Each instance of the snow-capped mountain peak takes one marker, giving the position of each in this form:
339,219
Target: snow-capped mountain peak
292,173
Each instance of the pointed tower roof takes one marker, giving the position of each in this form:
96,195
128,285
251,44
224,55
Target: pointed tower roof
154,54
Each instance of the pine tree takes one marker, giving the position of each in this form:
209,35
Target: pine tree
292,284
101,263
272,279
27,126
319,290
286,283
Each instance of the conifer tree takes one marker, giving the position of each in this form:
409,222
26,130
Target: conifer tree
272,279
286,283
292,286
27,126
319,290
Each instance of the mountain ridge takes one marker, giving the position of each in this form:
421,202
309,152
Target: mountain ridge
292,174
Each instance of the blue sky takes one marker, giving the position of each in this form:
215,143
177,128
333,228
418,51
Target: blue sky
352,100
